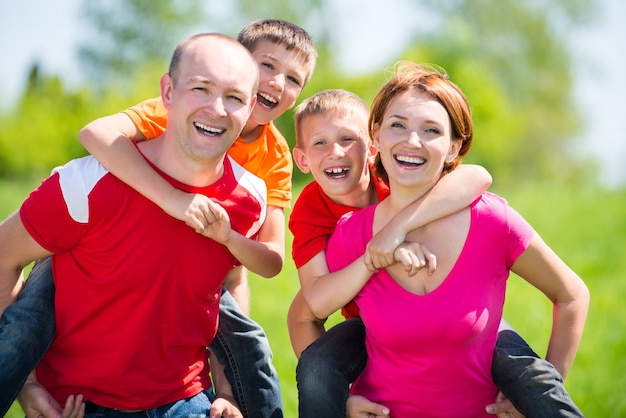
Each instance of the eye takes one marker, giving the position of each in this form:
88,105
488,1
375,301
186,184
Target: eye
199,89
347,139
319,142
268,65
294,80
399,125
433,131
237,98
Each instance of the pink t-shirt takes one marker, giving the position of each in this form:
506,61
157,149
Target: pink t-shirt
430,355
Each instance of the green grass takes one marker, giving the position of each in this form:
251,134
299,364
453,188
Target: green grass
586,226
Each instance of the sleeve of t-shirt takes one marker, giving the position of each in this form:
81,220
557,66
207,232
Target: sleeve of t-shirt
47,219
520,235
277,171
150,117
311,223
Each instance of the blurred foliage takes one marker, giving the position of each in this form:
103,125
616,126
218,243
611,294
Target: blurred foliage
128,36
509,58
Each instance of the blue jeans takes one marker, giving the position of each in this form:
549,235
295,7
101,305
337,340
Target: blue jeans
27,329
328,366
531,383
195,406
242,347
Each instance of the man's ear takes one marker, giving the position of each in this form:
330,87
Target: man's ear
167,86
301,161
252,103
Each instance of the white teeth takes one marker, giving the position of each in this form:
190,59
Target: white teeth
336,170
410,160
268,98
208,128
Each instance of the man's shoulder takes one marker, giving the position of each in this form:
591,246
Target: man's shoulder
244,177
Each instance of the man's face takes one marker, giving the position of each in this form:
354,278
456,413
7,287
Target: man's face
212,98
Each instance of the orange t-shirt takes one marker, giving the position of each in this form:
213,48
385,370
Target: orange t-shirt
268,157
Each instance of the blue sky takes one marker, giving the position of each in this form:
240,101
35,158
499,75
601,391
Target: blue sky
48,32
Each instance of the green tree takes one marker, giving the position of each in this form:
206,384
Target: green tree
129,36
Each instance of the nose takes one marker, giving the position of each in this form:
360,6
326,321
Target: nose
277,82
414,139
337,151
215,107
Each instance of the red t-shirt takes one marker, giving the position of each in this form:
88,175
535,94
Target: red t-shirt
312,222
137,291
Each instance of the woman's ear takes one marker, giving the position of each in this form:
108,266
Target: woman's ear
453,152
299,157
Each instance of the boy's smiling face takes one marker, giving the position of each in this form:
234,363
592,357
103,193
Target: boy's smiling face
336,150
282,75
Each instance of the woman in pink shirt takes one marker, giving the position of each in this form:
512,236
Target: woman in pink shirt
431,332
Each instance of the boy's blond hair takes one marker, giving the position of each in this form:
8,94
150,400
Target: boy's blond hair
280,32
338,101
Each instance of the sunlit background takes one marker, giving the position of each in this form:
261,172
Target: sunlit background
546,80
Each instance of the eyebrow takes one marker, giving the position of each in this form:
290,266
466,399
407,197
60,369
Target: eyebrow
427,121
208,82
202,80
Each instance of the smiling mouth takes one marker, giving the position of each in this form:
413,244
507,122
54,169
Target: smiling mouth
337,173
409,161
266,101
207,130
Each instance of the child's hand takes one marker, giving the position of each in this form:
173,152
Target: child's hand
216,223
415,257
189,208
380,250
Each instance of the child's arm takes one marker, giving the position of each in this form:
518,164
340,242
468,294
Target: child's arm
455,191
263,256
304,327
327,292
225,399
107,139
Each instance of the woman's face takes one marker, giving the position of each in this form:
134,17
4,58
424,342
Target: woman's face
414,139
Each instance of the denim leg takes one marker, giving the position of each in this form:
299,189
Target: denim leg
26,331
531,383
242,347
197,406
327,368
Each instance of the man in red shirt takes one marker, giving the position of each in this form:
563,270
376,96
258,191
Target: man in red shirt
137,292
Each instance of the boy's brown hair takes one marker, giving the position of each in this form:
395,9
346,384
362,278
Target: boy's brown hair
334,100
280,32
